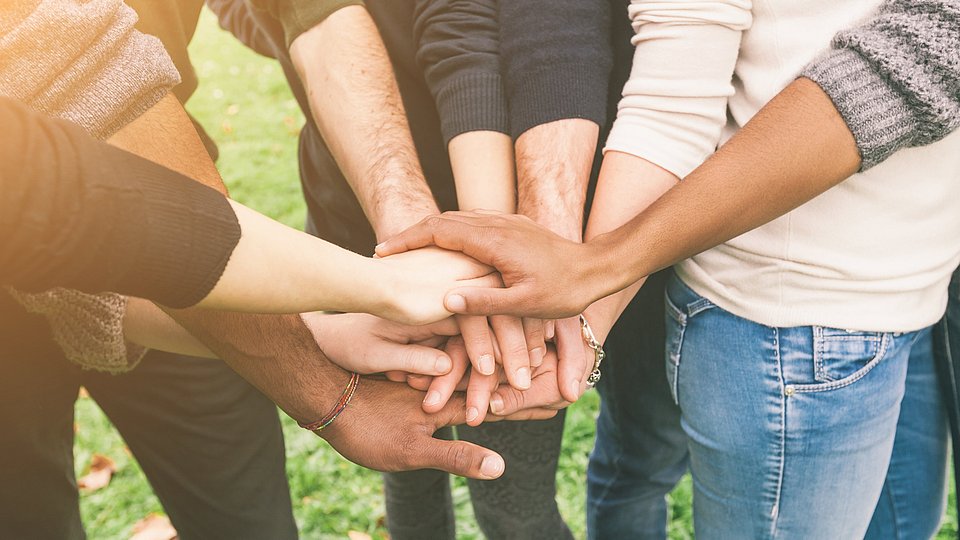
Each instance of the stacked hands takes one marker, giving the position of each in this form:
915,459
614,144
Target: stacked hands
462,368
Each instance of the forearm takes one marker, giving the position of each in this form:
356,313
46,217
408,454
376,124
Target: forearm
483,170
355,102
627,186
795,148
276,269
275,353
146,324
553,169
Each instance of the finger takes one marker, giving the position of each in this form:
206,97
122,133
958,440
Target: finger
572,361
507,400
457,457
530,414
446,231
447,327
442,387
396,376
489,301
479,388
479,343
510,336
419,382
411,358
550,329
533,332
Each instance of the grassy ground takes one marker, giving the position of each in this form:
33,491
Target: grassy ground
244,103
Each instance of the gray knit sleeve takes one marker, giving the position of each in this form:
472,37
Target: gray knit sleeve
82,61
895,78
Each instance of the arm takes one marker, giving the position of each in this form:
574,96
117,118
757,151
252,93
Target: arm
459,52
799,145
557,58
355,102
280,355
670,117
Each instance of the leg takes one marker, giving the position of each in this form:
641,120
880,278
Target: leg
791,429
209,443
914,493
419,503
522,504
641,450
38,388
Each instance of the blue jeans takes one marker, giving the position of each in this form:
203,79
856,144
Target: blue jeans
791,430
641,451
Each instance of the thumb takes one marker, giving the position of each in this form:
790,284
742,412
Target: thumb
484,301
458,457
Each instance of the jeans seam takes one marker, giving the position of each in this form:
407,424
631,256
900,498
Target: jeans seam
608,485
775,511
823,387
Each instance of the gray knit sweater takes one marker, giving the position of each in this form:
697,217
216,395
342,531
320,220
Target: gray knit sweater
895,78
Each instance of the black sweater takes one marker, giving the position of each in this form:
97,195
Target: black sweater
78,213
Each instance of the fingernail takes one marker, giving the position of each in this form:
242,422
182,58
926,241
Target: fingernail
523,378
486,364
456,303
433,397
443,364
536,357
491,466
472,414
496,404
379,246
575,387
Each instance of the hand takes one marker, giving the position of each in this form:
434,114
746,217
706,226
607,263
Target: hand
478,386
416,282
546,275
557,382
367,344
544,392
385,429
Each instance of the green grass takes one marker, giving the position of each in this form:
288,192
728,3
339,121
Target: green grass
244,103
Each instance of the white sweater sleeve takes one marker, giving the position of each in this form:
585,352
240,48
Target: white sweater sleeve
674,104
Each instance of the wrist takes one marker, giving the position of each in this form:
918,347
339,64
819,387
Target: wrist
394,214
601,269
566,221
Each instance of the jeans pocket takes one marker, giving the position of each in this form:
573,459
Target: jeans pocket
842,357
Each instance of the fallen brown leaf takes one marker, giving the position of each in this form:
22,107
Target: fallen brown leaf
100,472
357,535
154,527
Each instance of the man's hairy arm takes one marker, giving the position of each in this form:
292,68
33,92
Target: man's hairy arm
356,103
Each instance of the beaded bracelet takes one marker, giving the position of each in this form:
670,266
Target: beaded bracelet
337,409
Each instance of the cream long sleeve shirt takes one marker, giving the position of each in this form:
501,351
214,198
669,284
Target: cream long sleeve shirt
874,253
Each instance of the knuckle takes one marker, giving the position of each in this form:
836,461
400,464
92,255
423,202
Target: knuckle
458,457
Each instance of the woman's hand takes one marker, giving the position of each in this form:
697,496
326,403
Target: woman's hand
367,344
414,283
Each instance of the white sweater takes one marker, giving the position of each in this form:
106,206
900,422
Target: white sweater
874,253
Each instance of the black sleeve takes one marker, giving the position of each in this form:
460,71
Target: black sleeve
78,213
235,17
557,59
458,48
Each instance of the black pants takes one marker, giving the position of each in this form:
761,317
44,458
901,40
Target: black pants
209,443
